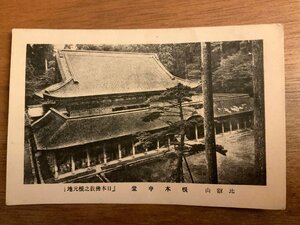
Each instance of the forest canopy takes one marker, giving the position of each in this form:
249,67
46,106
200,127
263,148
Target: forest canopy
40,69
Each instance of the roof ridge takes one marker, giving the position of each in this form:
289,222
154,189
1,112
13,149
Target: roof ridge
71,70
58,113
40,119
228,98
107,114
56,86
51,136
57,132
162,67
46,114
108,52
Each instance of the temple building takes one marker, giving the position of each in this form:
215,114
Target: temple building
89,119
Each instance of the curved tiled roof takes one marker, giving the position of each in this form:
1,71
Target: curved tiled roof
227,104
56,131
87,73
232,104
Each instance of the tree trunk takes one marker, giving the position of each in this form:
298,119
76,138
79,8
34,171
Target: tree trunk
179,172
210,143
259,112
179,177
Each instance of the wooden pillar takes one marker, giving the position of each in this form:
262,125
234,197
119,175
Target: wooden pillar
245,124
104,154
230,126
157,144
99,158
196,132
169,142
215,131
46,65
223,128
119,151
55,166
88,159
238,125
72,163
133,148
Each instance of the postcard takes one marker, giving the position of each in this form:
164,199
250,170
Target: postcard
186,116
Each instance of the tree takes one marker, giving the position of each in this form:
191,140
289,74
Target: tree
68,46
40,53
210,142
259,112
37,77
233,72
176,97
36,55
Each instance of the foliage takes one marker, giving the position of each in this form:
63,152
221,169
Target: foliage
234,72
37,77
234,75
36,55
176,97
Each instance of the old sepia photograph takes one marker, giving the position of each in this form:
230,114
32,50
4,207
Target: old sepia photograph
177,112
188,116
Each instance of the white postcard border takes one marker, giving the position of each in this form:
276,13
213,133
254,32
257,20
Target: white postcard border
271,196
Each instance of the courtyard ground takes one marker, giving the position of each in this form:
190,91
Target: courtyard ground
237,167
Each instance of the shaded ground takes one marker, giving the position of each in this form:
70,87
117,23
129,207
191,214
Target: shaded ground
159,170
235,168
